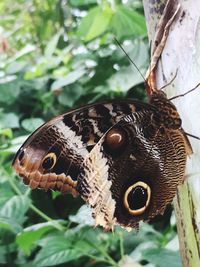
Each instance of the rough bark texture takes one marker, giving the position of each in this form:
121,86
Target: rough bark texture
181,55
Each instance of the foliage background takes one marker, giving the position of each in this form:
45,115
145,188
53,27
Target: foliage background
55,55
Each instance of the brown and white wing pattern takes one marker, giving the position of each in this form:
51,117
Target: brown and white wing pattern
51,157
133,171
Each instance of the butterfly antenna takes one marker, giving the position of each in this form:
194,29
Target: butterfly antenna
170,82
191,90
193,136
130,59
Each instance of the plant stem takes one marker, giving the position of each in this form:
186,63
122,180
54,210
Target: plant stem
121,243
13,185
57,225
97,259
104,253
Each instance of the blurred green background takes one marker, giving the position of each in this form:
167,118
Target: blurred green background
56,55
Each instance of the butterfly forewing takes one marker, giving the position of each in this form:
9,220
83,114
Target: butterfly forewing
51,157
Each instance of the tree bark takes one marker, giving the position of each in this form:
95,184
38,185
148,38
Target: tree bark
181,58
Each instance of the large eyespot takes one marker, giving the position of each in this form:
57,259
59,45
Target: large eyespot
137,198
115,140
49,161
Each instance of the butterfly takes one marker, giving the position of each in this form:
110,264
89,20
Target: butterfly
125,158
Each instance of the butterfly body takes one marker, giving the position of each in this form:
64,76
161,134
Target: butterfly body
125,158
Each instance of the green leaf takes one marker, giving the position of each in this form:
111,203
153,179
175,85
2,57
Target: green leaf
82,2
148,230
19,140
59,249
127,261
3,252
31,124
121,80
16,67
5,191
28,237
142,246
69,79
7,132
128,76
162,257
15,208
15,144
10,224
29,48
9,91
52,44
70,95
127,22
10,120
54,255
83,216
95,23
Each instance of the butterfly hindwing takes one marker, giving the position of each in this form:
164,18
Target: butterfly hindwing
133,179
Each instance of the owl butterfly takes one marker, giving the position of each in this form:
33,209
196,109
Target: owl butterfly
125,158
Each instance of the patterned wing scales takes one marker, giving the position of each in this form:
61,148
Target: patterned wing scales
134,180
52,155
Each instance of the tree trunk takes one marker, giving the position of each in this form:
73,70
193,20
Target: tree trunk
181,56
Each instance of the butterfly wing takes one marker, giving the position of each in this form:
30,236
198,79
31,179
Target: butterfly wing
51,157
133,171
